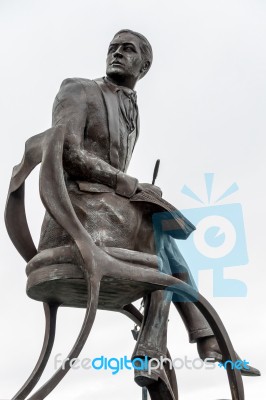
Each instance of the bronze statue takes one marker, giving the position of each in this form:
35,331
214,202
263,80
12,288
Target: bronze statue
98,226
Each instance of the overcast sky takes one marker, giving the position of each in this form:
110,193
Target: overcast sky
202,111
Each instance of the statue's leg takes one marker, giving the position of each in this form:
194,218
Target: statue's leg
152,343
174,264
196,324
153,334
50,311
93,296
135,315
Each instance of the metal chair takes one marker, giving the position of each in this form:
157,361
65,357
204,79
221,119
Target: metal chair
84,275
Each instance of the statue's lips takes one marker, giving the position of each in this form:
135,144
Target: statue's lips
116,64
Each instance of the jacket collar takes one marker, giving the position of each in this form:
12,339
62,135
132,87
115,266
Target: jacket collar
115,88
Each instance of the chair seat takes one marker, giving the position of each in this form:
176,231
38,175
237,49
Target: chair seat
52,278
64,284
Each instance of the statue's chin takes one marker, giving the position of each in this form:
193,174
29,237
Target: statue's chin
116,74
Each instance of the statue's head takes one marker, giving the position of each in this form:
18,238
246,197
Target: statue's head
129,57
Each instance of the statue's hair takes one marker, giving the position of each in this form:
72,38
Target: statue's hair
145,46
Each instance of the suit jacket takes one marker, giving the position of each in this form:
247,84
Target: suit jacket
87,111
90,110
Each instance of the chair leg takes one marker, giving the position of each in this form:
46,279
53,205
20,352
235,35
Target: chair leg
158,391
50,311
93,296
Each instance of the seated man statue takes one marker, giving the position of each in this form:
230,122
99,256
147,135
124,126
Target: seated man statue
101,120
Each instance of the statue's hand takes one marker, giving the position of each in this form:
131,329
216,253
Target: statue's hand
148,187
126,185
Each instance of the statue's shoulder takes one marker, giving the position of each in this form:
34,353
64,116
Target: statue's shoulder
76,84
78,87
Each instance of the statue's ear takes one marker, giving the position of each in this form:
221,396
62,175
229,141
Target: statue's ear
144,69
146,65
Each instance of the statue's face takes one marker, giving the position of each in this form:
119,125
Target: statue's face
124,58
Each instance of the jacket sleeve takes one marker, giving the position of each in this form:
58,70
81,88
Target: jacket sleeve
70,110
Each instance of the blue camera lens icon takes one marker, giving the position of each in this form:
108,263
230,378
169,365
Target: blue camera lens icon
218,242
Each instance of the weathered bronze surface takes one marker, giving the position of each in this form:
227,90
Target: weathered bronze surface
97,247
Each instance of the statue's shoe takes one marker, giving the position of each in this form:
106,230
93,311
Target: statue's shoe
157,383
160,390
144,377
209,348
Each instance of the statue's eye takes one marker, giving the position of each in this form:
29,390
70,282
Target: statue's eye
129,48
111,49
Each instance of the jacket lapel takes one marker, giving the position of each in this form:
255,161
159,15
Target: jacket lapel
111,104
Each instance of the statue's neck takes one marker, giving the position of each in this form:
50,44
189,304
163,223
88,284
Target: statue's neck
124,82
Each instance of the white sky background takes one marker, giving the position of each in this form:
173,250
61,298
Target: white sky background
202,110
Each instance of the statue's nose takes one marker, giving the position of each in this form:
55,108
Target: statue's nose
118,52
